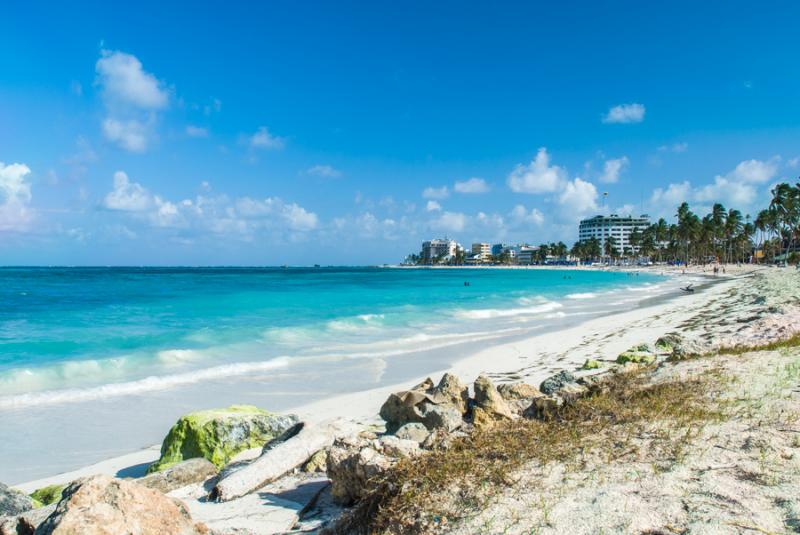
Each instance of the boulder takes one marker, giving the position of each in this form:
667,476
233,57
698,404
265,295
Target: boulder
414,431
27,522
667,342
636,357
13,502
441,417
519,396
179,475
219,434
591,364
351,463
398,448
318,463
47,495
416,405
103,505
544,408
490,407
556,382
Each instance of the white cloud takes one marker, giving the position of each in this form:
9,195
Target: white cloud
672,196
450,222
520,215
324,171
537,177
435,193
731,192
15,197
196,131
295,216
127,196
676,147
124,81
755,171
263,139
794,163
578,198
613,168
472,185
625,113
130,135
433,206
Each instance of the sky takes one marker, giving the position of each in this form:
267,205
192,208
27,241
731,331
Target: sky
270,133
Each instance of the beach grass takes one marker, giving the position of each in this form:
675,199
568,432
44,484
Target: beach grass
454,483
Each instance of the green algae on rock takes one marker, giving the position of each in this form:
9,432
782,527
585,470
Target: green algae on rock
47,495
637,357
219,434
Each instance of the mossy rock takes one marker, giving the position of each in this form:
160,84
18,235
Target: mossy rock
591,364
47,495
637,357
668,342
219,434
641,348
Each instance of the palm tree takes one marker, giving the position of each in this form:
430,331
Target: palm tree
733,226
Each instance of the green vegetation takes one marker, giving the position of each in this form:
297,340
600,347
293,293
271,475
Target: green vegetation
453,483
47,495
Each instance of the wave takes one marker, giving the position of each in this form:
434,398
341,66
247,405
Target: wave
488,313
148,384
586,295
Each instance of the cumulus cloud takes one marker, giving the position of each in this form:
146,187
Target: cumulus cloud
471,185
673,195
123,80
435,193
196,131
521,215
450,222
127,196
15,197
291,214
131,135
433,206
755,171
537,177
612,169
133,98
324,171
263,139
578,198
625,113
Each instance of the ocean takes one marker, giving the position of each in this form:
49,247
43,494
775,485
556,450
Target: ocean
105,359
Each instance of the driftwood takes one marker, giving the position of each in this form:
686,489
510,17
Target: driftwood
281,459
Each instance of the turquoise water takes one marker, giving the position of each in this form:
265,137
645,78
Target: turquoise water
78,328
106,359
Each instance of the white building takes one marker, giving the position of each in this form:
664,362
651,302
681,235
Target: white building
439,249
619,227
526,254
481,249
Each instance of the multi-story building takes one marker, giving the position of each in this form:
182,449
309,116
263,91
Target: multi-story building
483,249
619,227
439,249
527,255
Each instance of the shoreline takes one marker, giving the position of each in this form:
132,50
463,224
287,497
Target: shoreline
530,359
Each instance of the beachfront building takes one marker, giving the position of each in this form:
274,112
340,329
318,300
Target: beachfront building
483,249
527,255
439,250
620,228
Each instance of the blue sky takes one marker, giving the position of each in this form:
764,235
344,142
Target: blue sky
348,132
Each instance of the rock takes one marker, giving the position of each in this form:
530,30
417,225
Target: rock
544,408
317,463
47,495
441,417
644,348
552,384
413,431
636,357
179,475
350,465
590,364
516,391
13,502
451,391
219,434
103,505
667,342
393,446
414,406
27,522
490,407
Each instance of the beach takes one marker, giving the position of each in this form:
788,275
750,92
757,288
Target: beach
561,343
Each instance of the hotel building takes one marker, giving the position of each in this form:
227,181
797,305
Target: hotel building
619,227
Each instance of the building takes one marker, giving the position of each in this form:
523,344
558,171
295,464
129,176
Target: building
527,255
483,249
442,250
602,227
